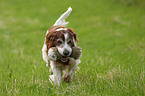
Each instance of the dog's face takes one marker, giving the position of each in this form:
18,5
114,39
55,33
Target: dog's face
64,40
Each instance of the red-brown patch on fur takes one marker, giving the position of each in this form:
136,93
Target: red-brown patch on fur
73,34
53,36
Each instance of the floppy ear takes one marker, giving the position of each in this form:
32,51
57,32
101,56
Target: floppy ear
49,37
73,34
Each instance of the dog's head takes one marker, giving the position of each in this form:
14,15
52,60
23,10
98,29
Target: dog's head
63,39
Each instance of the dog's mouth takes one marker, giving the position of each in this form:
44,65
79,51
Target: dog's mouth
64,59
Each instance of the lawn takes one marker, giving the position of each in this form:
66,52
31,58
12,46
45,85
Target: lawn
111,34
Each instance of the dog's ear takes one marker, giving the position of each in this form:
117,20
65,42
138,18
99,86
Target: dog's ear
49,38
73,34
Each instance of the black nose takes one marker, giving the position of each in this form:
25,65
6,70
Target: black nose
65,52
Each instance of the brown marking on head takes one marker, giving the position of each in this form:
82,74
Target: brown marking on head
51,36
73,34
57,38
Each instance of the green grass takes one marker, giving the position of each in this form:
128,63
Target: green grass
111,33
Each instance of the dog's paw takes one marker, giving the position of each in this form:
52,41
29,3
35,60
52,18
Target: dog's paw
66,78
52,55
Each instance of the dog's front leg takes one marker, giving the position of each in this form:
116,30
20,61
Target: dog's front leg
52,57
57,73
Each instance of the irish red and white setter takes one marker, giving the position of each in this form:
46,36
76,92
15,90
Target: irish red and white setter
63,39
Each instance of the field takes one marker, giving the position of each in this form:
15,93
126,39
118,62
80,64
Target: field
110,32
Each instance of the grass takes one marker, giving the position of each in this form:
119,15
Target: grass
111,34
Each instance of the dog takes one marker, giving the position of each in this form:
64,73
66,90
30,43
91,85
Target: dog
63,39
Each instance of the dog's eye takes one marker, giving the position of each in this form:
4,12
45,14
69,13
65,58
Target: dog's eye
59,42
69,42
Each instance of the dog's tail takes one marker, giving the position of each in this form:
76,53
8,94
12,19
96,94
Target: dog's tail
61,19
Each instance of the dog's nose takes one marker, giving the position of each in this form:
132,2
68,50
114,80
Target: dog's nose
65,53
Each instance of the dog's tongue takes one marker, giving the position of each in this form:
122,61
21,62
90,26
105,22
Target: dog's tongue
64,59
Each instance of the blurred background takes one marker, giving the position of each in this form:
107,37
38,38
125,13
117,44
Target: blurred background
111,34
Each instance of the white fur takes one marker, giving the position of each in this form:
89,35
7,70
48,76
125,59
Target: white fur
61,19
45,54
65,46
50,57
59,29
